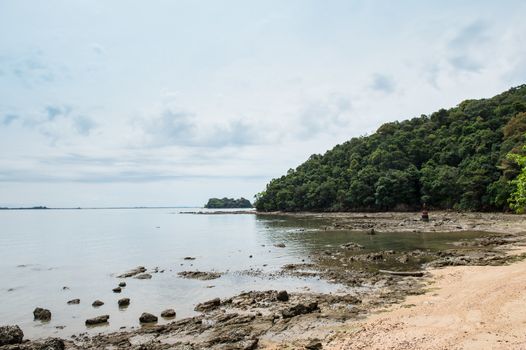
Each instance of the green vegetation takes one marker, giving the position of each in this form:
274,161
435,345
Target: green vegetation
452,159
222,203
518,196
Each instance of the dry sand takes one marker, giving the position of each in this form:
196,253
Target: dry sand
468,307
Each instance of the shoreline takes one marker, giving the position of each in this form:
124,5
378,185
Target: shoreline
259,319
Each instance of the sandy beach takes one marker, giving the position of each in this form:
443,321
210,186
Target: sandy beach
466,307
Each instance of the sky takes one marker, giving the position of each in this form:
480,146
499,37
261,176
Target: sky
168,103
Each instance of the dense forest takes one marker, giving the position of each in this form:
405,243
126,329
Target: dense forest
466,158
222,203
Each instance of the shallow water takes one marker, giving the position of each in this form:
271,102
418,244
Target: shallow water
43,251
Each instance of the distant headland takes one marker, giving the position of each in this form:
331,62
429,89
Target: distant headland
223,203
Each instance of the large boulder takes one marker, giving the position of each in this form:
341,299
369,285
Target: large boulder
147,318
97,320
42,314
10,335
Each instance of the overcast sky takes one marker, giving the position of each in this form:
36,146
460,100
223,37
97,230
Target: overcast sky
109,103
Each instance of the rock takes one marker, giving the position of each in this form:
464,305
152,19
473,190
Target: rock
147,318
52,344
133,272
168,313
74,301
143,276
97,303
189,258
42,314
280,245
200,275
299,309
117,290
97,320
122,284
282,295
371,232
10,335
124,302
208,305
314,345
352,245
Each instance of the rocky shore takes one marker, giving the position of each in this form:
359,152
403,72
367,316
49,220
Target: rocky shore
284,320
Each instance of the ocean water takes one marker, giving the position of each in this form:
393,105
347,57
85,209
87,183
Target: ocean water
43,251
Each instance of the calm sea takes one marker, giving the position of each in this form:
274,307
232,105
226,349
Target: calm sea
43,251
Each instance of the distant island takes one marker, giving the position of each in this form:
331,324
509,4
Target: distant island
223,203
24,208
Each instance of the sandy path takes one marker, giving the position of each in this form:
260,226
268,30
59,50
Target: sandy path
469,307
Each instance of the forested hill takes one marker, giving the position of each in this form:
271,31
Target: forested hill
454,158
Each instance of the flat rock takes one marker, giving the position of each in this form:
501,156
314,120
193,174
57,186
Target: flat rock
74,301
200,275
52,344
117,290
143,276
133,272
147,318
208,305
97,320
280,245
11,335
122,284
299,309
42,314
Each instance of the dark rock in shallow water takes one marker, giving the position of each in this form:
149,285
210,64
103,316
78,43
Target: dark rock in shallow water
168,313
200,275
279,245
299,309
282,295
124,302
97,320
133,272
74,301
10,335
97,303
117,290
208,305
147,318
42,314
143,276
189,258
122,284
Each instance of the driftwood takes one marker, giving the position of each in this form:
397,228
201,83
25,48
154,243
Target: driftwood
404,273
